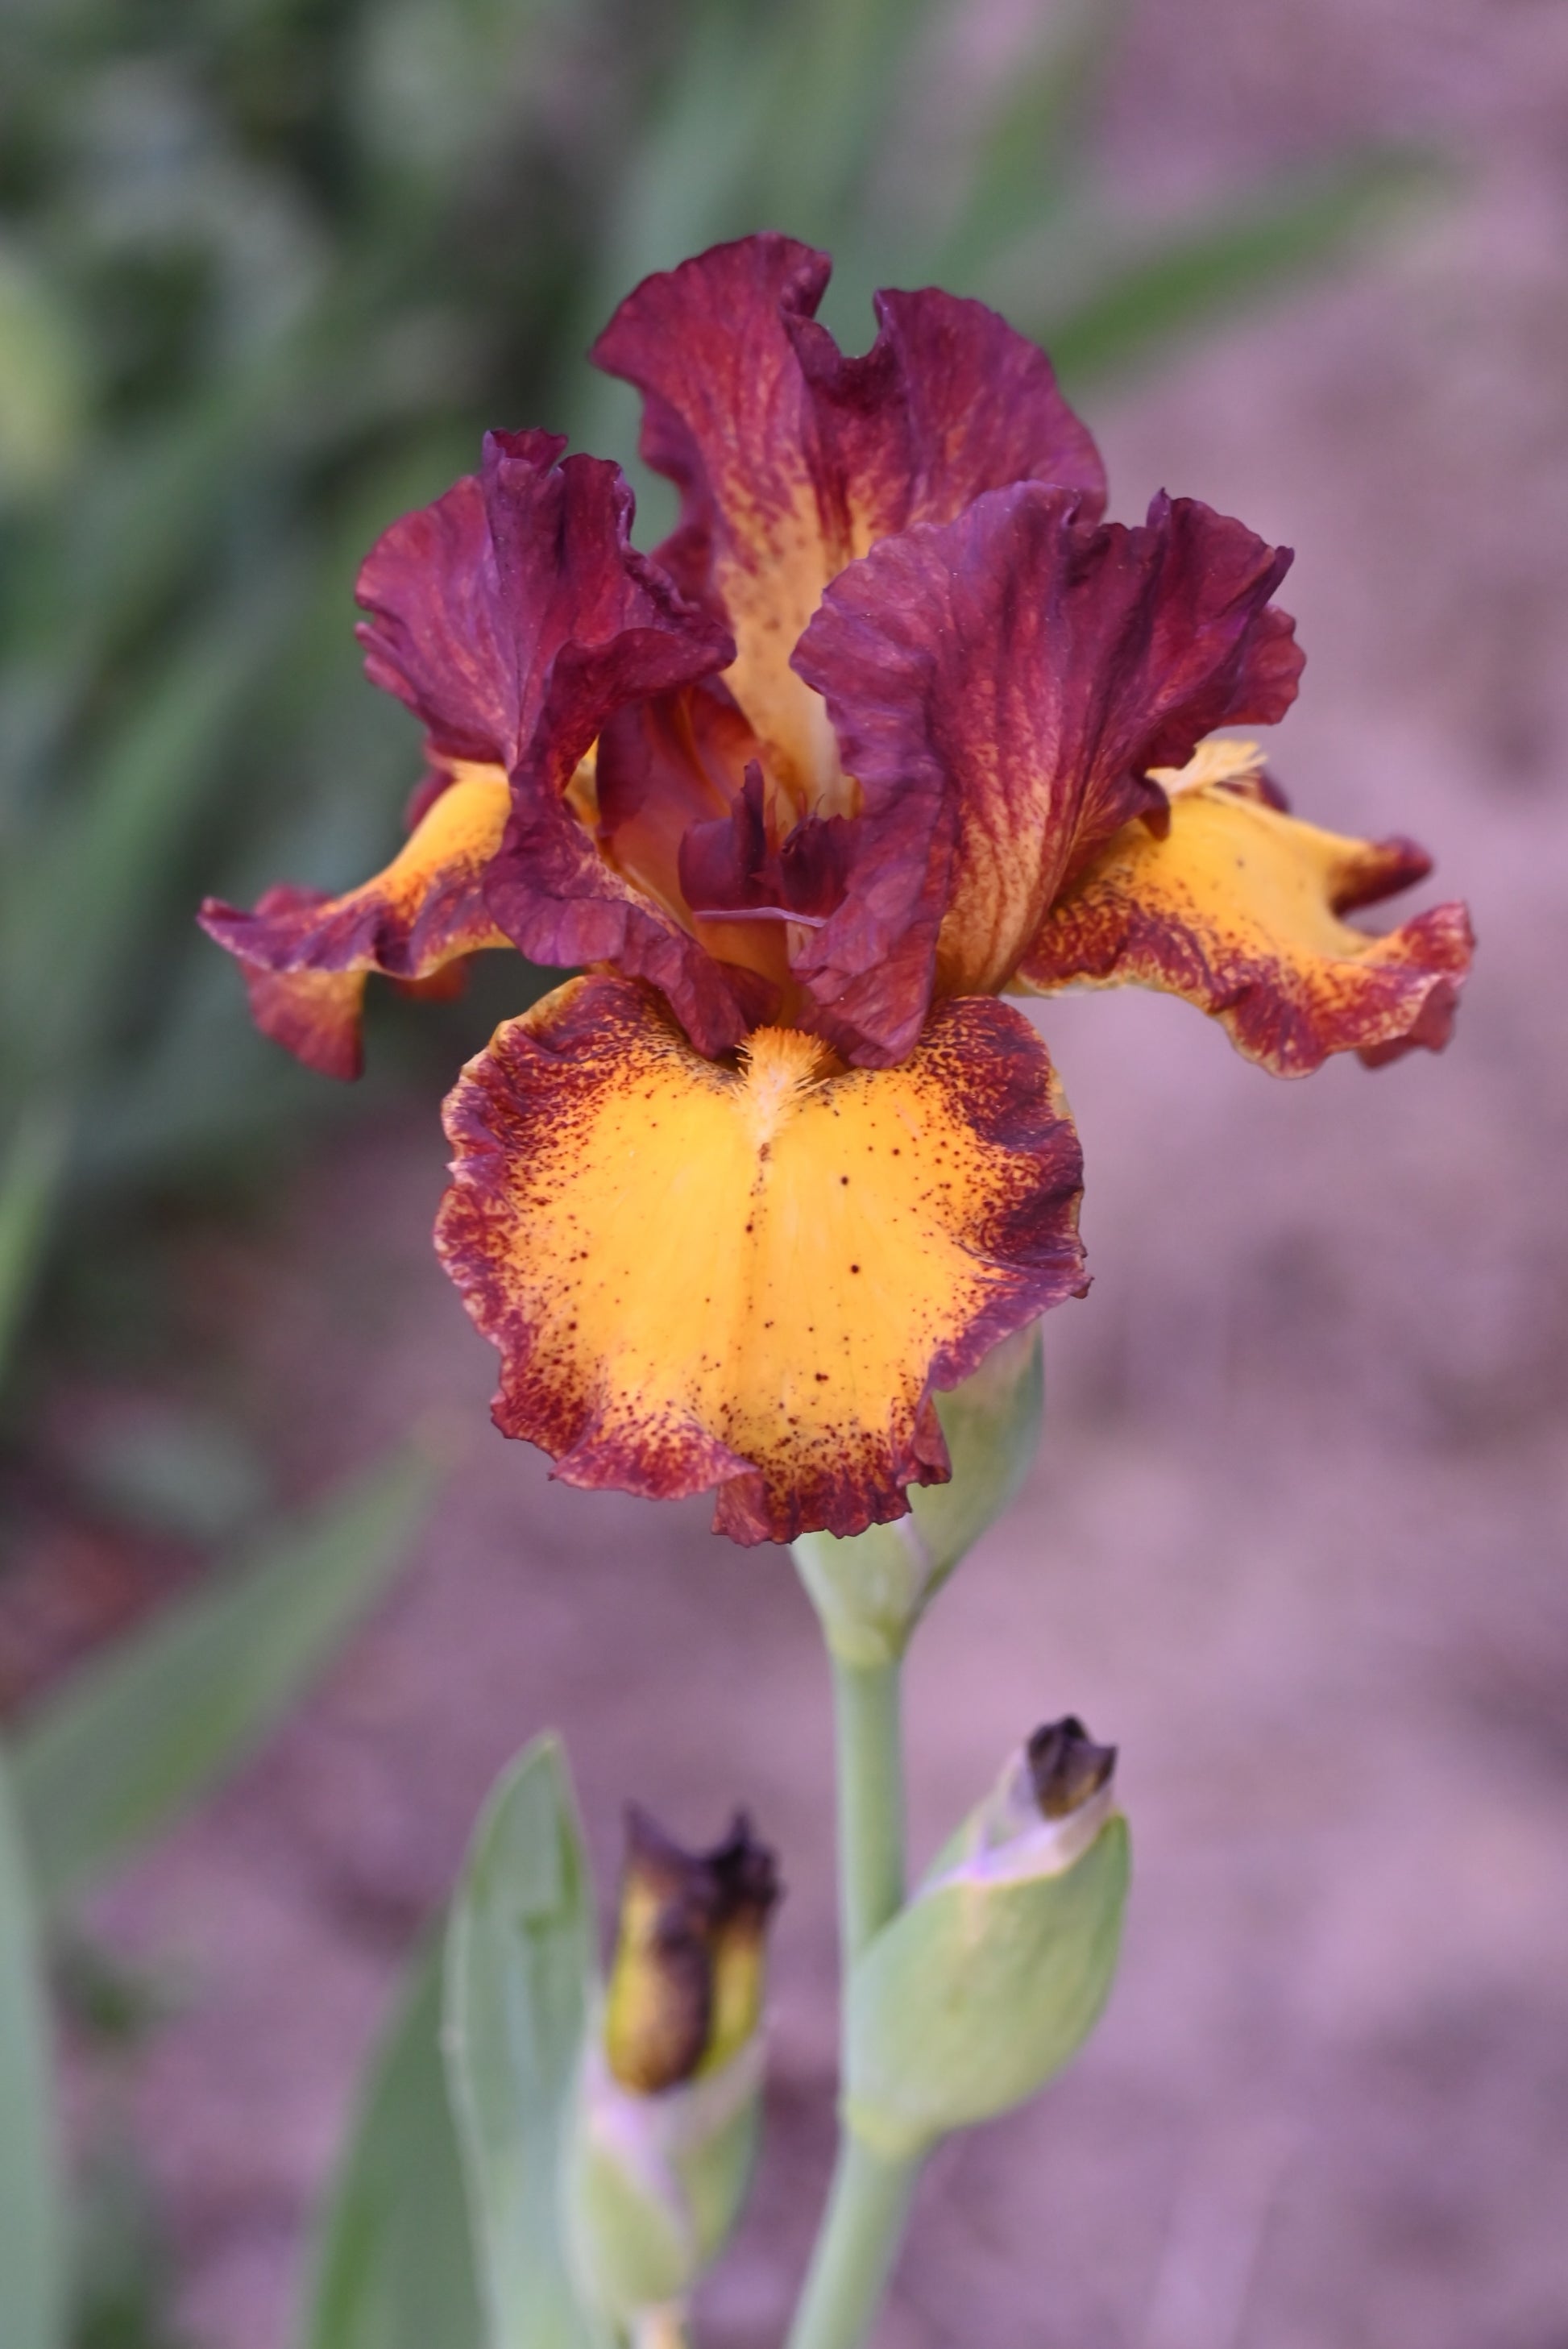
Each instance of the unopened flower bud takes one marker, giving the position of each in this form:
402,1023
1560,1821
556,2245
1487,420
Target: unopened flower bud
668,2101
872,1590
992,1977
686,1988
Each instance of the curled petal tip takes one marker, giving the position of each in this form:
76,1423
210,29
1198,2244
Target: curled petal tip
513,615
1382,870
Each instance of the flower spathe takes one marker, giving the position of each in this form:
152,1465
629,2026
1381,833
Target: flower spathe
893,722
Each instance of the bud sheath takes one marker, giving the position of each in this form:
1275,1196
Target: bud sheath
990,1980
669,2097
871,1589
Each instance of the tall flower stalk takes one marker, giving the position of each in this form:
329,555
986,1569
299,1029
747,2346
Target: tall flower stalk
767,1201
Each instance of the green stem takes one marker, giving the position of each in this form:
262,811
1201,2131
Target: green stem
870,2197
871,1801
856,2248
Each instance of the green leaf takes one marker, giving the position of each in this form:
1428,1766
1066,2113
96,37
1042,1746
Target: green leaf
433,85
1253,248
98,876
836,77
29,1180
1030,147
31,2260
144,1732
42,379
394,2267
519,1955
122,2265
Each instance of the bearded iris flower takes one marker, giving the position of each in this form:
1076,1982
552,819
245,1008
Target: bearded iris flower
893,722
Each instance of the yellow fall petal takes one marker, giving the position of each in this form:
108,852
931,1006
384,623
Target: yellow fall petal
752,1278
1238,908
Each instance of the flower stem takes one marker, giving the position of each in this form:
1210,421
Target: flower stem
856,2248
871,1801
869,2198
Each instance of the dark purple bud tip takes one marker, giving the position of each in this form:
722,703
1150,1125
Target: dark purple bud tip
1066,1767
745,1873
685,1989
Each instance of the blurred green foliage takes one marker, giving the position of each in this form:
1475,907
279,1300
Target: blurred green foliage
153,1724
32,2250
113,1759
393,2258
267,269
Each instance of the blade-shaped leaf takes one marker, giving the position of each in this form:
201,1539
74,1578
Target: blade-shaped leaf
519,1958
31,2281
1031,144
153,1725
394,2267
43,377
123,2272
97,877
1255,247
29,1178
837,73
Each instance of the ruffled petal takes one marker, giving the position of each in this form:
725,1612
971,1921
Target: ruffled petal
791,459
1000,687
1238,908
515,608
306,956
513,616
752,1280
950,401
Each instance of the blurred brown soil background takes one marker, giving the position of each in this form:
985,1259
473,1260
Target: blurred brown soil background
1295,1536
